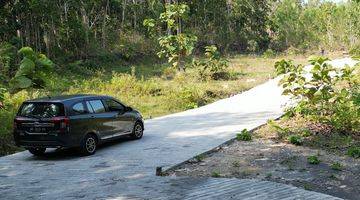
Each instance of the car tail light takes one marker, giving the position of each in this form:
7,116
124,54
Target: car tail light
18,121
63,122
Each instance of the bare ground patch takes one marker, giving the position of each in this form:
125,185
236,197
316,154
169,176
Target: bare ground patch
280,162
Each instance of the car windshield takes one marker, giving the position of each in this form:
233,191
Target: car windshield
41,110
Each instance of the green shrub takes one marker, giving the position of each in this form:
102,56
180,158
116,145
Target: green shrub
33,72
314,160
295,139
336,166
281,132
200,157
245,135
269,53
306,133
7,61
213,67
328,95
215,174
354,152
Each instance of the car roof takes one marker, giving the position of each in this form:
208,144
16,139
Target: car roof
64,98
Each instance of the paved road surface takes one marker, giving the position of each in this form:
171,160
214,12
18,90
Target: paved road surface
125,170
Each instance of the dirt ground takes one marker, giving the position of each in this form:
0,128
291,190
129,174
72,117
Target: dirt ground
280,162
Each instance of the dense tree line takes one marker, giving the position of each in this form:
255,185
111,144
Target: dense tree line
78,29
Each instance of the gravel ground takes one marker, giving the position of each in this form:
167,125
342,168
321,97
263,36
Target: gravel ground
278,162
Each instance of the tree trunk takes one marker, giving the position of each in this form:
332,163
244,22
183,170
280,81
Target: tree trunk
123,13
167,2
104,25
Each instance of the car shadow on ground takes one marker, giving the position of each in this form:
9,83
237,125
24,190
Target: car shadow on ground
74,153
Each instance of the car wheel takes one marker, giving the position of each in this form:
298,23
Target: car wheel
138,131
89,145
37,151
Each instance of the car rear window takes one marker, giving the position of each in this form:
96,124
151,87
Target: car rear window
42,110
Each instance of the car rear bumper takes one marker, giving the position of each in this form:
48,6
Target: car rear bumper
45,144
46,140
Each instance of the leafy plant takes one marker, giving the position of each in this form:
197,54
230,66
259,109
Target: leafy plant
33,71
245,135
281,132
2,96
215,174
336,166
295,139
324,93
175,45
354,151
7,61
200,157
314,160
213,66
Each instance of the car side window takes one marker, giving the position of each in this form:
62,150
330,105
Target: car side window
79,108
90,109
95,106
113,105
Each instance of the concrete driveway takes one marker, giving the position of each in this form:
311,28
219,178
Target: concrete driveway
125,169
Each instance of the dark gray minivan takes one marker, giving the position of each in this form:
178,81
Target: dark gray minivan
74,121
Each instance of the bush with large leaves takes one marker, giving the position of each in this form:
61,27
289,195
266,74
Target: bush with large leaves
32,72
324,93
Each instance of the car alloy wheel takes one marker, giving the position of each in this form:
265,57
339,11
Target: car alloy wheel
138,131
89,145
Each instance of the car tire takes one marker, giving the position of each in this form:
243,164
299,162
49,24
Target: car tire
138,131
37,151
89,145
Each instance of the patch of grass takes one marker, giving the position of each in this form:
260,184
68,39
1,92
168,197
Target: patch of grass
268,175
245,135
215,174
354,152
314,160
296,140
200,157
333,176
336,166
307,186
306,133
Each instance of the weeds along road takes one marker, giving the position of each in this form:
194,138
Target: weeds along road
125,169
